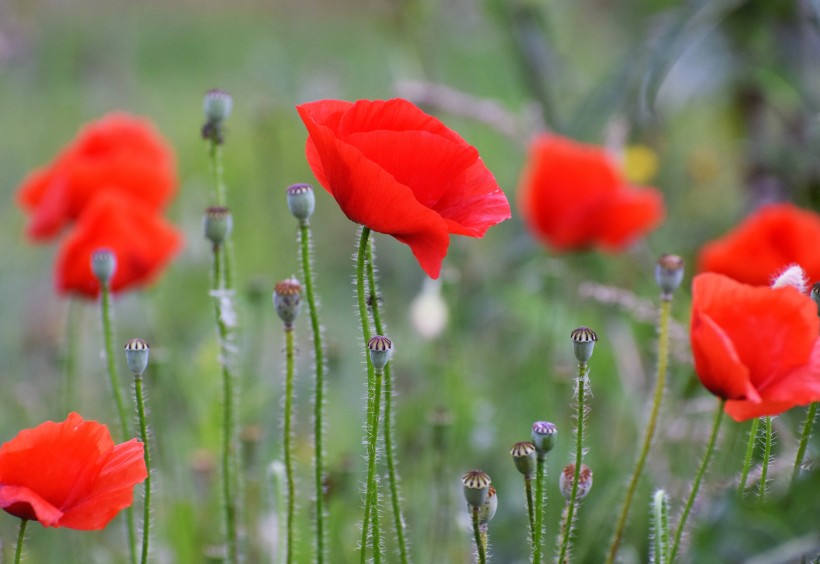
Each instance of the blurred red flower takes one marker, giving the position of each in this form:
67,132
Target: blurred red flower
573,197
756,347
399,171
769,240
142,241
118,152
69,474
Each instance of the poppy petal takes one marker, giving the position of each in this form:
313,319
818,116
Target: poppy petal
401,172
717,363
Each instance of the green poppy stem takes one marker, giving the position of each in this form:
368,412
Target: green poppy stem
229,442
767,453
114,381
319,390
651,425
146,516
811,412
538,529
287,441
569,526
530,508
479,544
21,537
660,519
747,461
710,447
395,498
373,408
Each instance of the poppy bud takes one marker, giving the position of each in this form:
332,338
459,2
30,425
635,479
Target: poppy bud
218,105
379,351
301,201
668,274
217,223
476,487
543,437
584,481
523,455
583,341
487,510
103,265
136,356
815,295
287,299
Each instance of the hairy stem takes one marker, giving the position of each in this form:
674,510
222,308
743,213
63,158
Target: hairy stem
579,457
286,440
767,453
21,537
319,390
649,432
146,511
395,499
538,529
229,448
805,434
710,447
479,545
114,381
747,461
373,408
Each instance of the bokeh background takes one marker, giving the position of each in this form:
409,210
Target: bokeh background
713,101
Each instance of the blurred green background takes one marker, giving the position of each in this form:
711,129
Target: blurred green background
723,93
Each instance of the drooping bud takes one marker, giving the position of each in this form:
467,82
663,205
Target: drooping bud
301,201
792,276
217,223
815,295
668,274
136,356
104,265
583,342
217,105
487,510
523,455
476,487
287,299
379,351
543,437
584,481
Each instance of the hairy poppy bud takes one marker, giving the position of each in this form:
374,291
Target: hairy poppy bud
217,224
301,201
668,274
104,265
523,455
487,510
379,351
287,299
217,105
136,356
476,487
584,481
543,437
583,341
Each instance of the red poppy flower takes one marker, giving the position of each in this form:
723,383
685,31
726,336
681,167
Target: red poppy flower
399,171
116,153
764,244
69,474
142,242
756,347
573,197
